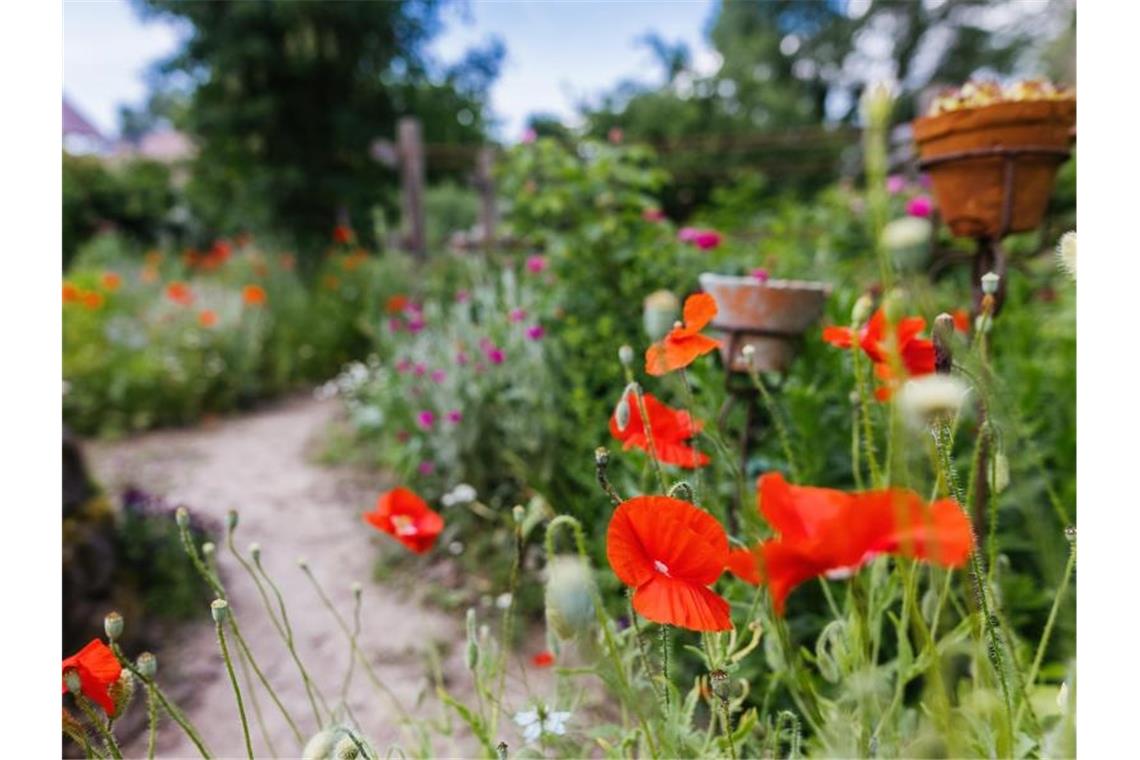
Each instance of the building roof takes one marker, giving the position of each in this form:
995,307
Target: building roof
75,124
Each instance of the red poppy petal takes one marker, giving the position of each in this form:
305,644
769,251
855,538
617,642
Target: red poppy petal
742,563
798,512
686,605
624,549
786,567
840,337
918,356
961,320
98,659
700,308
908,328
680,455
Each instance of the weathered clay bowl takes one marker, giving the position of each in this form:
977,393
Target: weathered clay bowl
770,316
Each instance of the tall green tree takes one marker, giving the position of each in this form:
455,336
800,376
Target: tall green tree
285,99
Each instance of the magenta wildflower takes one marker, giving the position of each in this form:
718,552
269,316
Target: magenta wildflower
438,375
920,205
462,359
426,467
535,332
419,370
462,296
536,264
760,274
426,419
496,356
394,324
705,240
517,315
896,183
416,323
454,416
403,365
529,136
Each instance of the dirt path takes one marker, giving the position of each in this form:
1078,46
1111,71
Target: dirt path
259,465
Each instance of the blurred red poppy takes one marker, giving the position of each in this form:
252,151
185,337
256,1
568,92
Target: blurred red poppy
97,668
111,281
207,318
670,552
407,518
396,303
916,354
684,343
180,293
961,320
543,659
830,533
71,293
343,234
669,427
253,295
92,300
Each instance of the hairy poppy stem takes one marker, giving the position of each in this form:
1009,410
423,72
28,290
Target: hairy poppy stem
642,653
648,429
256,705
865,415
691,401
151,721
777,421
171,709
601,463
1038,658
100,726
220,613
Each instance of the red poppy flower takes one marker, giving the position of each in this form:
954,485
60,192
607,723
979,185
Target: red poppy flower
111,281
743,564
684,343
71,293
396,303
670,428
253,295
93,301
407,518
543,659
343,234
824,532
207,318
180,293
961,320
916,354
670,552
98,668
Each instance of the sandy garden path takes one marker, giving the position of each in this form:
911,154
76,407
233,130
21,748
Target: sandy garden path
260,464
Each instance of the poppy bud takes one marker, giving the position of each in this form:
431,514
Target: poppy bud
472,641
71,680
113,625
999,474
660,311
147,664
625,356
182,517
621,412
990,282
720,684
302,563
121,692
357,590
255,551
208,549
681,490
1067,254
231,520
569,596
941,334
749,354
501,751
861,311
601,456
220,609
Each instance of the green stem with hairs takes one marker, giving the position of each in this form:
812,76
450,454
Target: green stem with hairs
1043,644
648,429
92,714
172,709
691,401
777,421
220,631
256,706
151,721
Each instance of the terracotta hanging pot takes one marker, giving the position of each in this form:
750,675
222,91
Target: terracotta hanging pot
993,167
771,316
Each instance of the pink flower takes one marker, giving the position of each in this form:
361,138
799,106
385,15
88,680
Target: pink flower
403,365
517,315
419,370
426,467
416,323
496,356
920,205
536,264
426,419
438,375
616,135
535,332
761,274
529,136
486,344
462,296
653,215
394,324
924,180
461,358
705,240
454,416
896,183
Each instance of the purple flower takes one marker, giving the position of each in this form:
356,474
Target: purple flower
517,315
760,274
920,205
403,365
462,296
454,416
438,375
426,467
426,419
535,332
461,358
419,370
536,264
896,183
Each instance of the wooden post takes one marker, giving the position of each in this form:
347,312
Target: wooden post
485,184
409,140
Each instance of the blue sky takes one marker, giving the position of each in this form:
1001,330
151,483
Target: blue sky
558,52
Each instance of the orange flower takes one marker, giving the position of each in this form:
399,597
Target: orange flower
98,668
111,281
684,343
916,354
207,318
407,518
670,552
180,293
824,532
742,563
543,659
253,295
669,427
71,293
961,320
396,303
92,301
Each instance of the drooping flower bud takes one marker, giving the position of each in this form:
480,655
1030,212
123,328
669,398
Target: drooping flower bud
357,590
621,411
147,664
569,596
255,551
113,626
942,334
220,609
231,520
208,550
302,563
71,680
720,684
999,474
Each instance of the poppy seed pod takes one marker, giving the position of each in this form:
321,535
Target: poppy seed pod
220,609
569,596
147,664
625,356
942,334
861,311
990,282
113,625
661,309
182,517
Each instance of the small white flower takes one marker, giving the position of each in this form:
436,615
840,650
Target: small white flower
461,494
1067,254
906,232
539,721
503,601
929,397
